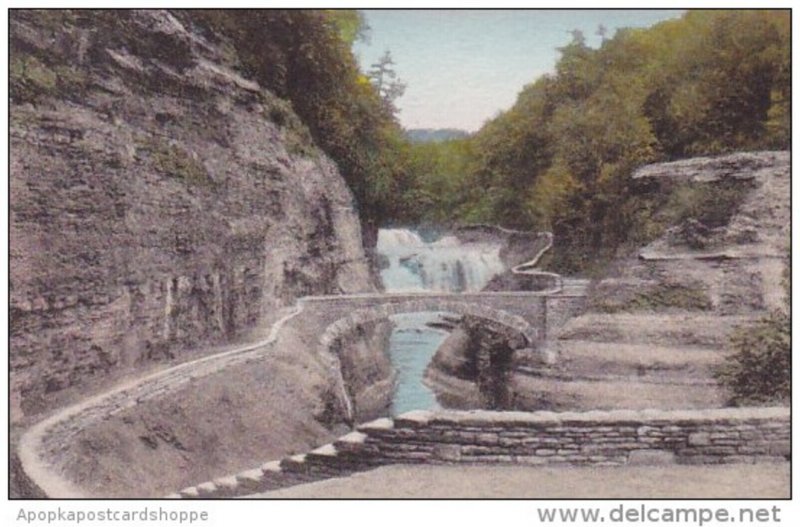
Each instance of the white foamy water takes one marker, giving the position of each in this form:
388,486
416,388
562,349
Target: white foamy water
416,266
443,265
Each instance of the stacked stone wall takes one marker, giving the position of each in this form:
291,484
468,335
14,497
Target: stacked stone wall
738,435
620,437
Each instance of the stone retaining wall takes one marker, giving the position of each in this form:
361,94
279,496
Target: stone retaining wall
41,446
730,435
619,437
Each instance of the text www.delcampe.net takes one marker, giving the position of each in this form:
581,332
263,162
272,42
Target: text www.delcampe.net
659,514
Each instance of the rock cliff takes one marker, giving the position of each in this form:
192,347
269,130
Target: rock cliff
658,322
159,200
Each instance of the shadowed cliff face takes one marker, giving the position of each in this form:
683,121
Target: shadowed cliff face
472,368
160,202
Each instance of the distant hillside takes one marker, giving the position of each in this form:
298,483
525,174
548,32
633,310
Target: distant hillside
434,135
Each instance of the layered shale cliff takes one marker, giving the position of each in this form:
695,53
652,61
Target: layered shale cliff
160,201
658,324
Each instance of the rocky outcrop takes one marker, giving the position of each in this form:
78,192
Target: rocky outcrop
366,368
471,368
159,200
658,324
747,214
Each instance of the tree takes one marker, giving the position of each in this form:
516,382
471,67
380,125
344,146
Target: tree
601,32
350,24
560,158
384,78
305,56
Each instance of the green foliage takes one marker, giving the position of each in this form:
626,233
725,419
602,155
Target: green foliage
174,161
712,204
304,56
30,79
560,159
436,192
658,298
296,135
760,369
350,24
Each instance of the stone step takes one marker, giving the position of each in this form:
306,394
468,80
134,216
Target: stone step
614,394
619,358
575,286
269,476
655,376
684,329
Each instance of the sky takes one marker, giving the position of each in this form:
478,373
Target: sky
463,67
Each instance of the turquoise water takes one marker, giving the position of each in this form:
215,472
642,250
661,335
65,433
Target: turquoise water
415,264
411,348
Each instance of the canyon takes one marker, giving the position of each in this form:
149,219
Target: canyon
162,211
193,297
169,210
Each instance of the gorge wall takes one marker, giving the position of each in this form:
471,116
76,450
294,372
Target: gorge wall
658,322
160,201
366,367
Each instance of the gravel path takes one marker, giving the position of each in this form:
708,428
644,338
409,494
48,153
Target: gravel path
767,480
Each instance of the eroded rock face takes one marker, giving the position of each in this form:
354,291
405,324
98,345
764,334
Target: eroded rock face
658,324
745,213
367,369
472,367
155,207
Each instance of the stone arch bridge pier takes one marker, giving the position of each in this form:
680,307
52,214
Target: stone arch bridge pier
525,318
532,315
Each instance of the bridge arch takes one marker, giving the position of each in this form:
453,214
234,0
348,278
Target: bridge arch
351,322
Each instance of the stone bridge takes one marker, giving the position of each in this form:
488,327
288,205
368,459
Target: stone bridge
533,315
529,314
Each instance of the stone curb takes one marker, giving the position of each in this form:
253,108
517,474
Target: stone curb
68,421
367,447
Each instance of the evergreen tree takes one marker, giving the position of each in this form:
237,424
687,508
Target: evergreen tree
383,76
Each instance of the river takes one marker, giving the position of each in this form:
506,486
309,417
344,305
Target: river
416,265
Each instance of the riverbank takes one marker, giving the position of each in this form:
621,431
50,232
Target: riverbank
766,481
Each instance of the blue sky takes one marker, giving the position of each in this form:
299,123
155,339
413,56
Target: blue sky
463,67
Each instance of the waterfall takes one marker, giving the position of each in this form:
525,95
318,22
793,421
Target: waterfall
443,265
413,265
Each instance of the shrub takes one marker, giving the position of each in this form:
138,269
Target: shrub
30,79
759,370
690,297
174,161
713,205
